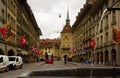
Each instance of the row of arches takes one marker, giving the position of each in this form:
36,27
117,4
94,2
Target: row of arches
106,57
26,57
9,53
99,57
103,57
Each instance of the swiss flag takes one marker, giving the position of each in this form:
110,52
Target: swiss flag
23,41
74,50
34,49
2,30
92,43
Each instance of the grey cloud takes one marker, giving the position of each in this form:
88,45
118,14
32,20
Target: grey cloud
45,5
52,22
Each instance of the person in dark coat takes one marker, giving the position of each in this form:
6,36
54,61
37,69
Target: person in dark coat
46,55
65,59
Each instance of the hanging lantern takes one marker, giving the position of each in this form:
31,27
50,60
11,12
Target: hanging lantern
59,15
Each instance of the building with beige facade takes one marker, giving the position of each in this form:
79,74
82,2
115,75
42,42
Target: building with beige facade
52,46
87,25
23,22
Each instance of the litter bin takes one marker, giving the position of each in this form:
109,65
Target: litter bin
86,62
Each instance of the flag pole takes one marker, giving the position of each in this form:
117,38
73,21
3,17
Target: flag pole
93,57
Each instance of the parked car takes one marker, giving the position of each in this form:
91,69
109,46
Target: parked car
15,62
4,63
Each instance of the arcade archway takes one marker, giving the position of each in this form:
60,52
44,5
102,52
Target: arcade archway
113,56
1,52
11,52
106,57
97,57
101,57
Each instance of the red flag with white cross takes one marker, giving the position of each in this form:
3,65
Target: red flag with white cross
34,49
92,43
23,41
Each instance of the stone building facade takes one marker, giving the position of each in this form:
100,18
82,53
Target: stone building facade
89,24
22,20
50,45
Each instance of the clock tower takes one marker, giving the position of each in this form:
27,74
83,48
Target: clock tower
66,39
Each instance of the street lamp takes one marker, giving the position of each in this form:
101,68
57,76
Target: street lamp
107,9
115,39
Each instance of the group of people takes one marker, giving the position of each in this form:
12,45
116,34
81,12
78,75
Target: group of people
48,55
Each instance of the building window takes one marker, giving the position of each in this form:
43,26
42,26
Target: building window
113,1
106,4
106,20
11,5
68,45
8,18
101,40
14,8
3,16
114,18
3,1
45,48
98,41
3,13
106,38
101,27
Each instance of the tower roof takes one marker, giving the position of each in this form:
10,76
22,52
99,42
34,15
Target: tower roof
67,28
67,19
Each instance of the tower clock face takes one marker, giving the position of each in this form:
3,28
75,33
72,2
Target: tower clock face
66,38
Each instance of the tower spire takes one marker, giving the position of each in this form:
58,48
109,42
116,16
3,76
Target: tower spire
67,19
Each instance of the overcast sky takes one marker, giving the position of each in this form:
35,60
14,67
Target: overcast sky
47,13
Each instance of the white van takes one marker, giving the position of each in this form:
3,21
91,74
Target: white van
4,63
15,62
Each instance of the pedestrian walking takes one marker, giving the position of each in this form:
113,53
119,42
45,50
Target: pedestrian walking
65,59
46,55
